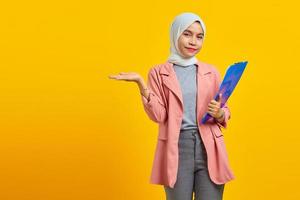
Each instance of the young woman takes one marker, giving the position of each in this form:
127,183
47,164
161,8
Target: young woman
190,157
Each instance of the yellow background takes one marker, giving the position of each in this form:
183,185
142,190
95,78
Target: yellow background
70,132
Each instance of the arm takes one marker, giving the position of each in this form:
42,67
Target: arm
152,99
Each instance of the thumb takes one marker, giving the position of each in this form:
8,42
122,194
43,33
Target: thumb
220,98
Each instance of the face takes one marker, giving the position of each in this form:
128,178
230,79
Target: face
190,41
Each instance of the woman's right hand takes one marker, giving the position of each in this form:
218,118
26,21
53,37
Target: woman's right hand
126,76
154,108
133,77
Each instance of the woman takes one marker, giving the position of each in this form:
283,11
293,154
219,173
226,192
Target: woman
190,157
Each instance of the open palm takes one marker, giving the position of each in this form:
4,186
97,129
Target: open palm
126,76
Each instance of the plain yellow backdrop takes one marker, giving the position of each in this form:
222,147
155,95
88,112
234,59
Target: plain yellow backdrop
69,132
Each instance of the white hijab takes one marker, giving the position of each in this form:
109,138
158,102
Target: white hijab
180,23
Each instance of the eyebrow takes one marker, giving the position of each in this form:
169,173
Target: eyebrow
191,32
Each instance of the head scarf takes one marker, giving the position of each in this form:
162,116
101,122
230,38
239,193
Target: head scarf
180,23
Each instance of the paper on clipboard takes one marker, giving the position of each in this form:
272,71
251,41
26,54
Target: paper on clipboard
232,77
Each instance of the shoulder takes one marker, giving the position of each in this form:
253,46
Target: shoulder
160,68
155,71
209,67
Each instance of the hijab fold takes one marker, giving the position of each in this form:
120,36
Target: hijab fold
180,23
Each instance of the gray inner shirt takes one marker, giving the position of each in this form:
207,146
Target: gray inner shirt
187,77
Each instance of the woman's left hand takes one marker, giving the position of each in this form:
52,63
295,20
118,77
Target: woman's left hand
214,108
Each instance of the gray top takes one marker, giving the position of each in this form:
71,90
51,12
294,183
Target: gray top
187,77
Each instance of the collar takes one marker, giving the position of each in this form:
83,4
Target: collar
167,68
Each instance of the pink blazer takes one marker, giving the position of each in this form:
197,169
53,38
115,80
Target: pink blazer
165,107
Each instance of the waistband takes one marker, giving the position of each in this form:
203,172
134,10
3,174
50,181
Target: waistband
190,131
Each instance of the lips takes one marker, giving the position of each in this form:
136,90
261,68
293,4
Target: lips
191,49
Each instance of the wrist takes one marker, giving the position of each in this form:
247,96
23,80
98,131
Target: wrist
143,90
220,118
141,83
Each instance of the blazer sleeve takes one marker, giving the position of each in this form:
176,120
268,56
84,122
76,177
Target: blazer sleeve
155,107
225,108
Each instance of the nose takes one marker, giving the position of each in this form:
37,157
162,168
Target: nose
193,41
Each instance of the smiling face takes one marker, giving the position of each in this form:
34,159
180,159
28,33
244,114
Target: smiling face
190,41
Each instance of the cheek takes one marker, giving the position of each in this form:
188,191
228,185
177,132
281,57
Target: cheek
181,45
182,40
199,43
185,41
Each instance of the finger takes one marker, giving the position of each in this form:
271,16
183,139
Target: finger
216,105
113,76
212,106
119,77
220,98
212,109
214,102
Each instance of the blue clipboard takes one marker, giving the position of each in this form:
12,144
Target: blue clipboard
232,77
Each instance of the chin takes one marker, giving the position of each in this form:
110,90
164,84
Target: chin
190,55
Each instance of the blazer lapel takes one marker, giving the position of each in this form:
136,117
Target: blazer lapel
203,87
170,80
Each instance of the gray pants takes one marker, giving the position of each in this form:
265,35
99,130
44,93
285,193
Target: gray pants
193,174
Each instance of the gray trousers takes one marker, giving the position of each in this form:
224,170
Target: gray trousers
193,177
